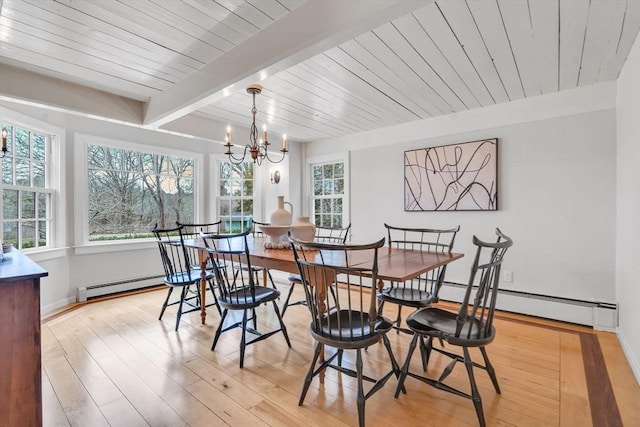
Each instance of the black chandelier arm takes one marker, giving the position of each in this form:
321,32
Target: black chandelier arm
236,160
284,154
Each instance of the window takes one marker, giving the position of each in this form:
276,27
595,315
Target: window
27,195
235,196
129,192
328,194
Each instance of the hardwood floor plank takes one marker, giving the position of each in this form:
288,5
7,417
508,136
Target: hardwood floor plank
625,387
52,413
114,363
574,398
602,401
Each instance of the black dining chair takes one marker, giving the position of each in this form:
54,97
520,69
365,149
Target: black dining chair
239,292
323,234
179,273
471,326
423,290
354,324
257,270
194,231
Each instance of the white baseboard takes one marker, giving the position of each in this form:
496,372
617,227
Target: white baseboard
49,308
92,291
601,316
632,358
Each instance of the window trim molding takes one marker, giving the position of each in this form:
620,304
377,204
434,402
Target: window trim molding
81,190
214,173
56,175
307,195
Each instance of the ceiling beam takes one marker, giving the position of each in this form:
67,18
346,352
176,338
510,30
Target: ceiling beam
50,92
307,31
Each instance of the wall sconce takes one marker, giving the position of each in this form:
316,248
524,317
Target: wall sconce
275,177
4,143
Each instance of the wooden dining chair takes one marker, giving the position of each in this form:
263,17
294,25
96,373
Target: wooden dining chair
422,290
179,273
257,270
354,324
239,292
471,326
194,231
323,234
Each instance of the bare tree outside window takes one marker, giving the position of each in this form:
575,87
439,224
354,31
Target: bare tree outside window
328,194
26,198
130,192
235,196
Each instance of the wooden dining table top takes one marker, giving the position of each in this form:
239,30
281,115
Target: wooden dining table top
393,264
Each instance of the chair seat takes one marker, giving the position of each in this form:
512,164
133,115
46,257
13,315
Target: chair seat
185,278
441,323
239,299
345,329
295,278
409,297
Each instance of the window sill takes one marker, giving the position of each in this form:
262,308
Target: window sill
39,255
105,247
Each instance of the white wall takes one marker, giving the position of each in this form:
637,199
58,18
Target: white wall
628,207
556,188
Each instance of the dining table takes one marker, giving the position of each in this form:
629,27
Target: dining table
396,265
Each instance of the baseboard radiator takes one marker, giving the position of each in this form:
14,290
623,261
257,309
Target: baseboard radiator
600,315
100,290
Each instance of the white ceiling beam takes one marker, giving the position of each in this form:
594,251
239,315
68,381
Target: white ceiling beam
309,30
38,89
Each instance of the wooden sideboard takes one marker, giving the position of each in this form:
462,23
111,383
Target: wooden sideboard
20,360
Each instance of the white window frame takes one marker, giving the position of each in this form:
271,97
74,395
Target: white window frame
55,181
82,141
258,189
343,157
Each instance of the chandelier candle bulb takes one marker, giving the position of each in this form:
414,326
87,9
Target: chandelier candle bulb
264,134
284,142
228,138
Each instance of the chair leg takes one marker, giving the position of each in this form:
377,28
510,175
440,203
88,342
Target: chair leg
219,330
286,301
166,301
183,295
399,318
282,327
309,377
243,339
425,351
490,370
215,298
361,399
475,394
405,367
394,363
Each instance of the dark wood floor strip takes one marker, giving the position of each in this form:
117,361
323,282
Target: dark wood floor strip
604,409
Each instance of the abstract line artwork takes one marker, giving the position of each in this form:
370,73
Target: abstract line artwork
458,177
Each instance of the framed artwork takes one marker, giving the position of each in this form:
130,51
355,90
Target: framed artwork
457,177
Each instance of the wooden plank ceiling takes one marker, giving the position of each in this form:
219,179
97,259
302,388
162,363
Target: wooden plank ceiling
328,68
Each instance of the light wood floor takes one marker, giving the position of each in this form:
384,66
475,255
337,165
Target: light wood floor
113,363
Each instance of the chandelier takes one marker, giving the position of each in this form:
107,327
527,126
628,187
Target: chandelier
259,149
